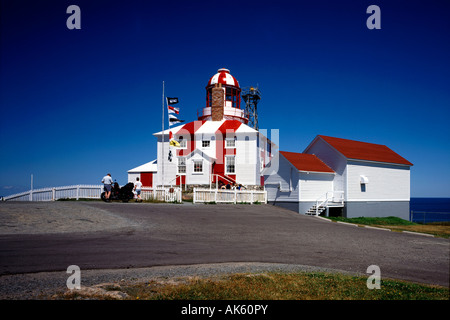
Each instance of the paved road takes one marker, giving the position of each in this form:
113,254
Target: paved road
132,235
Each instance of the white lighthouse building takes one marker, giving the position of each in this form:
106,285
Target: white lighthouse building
218,147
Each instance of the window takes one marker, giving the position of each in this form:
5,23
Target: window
229,94
230,164
230,143
182,165
198,166
233,95
182,142
206,143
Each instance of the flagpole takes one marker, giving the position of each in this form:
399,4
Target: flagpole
162,156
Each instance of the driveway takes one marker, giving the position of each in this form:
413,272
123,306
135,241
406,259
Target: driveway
36,237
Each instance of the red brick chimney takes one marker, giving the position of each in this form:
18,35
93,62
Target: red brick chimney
217,103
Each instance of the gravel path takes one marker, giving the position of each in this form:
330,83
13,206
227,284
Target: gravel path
57,217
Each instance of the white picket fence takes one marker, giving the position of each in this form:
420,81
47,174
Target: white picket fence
83,191
51,194
161,194
229,196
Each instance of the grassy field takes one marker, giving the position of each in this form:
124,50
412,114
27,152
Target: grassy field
277,286
438,229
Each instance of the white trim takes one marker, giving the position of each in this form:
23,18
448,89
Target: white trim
346,180
379,162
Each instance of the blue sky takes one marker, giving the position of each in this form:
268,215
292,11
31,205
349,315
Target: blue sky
76,104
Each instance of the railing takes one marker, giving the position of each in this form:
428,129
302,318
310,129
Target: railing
90,192
428,216
227,111
215,177
175,179
330,196
229,196
51,194
161,194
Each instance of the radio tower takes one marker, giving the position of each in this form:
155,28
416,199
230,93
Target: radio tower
251,96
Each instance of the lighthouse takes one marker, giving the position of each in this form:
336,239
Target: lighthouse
223,99
217,147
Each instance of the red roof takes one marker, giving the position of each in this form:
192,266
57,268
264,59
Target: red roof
191,127
229,126
306,162
365,151
224,77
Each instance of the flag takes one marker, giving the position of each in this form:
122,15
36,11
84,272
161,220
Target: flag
172,100
174,110
173,119
174,143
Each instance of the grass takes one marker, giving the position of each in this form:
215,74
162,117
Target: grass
282,286
441,229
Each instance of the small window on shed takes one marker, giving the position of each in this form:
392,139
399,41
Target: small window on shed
364,181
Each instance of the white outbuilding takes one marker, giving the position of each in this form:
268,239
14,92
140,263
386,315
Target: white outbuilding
341,177
144,172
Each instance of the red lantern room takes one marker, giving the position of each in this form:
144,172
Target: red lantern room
223,98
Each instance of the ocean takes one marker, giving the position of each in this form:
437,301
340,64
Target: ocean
425,210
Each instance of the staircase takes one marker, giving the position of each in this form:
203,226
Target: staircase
312,211
224,179
329,199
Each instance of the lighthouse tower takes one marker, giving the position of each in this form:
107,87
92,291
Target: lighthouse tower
223,99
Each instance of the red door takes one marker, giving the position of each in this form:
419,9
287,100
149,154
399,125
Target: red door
147,179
